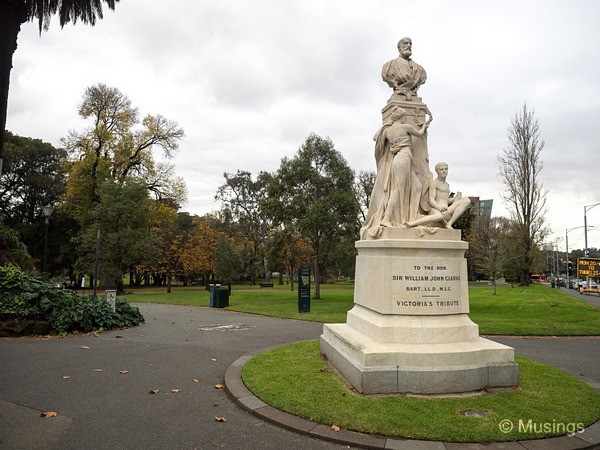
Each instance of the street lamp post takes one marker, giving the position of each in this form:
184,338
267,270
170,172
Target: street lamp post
567,231
46,210
586,251
96,266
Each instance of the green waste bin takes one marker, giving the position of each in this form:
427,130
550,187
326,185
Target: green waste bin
219,298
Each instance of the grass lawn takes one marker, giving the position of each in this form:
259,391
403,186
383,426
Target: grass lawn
304,386
535,310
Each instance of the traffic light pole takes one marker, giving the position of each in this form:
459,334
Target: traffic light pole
567,243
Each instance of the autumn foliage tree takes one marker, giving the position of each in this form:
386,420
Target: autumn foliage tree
290,252
198,254
119,146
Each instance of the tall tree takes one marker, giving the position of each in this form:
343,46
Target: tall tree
524,193
34,177
119,147
490,247
198,253
122,216
289,251
228,262
363,186
242,198
312,194
13,13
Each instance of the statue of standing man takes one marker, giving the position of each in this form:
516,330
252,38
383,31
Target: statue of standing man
402,74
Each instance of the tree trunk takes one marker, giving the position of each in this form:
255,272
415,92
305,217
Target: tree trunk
12,14
317,279
120,286
169,277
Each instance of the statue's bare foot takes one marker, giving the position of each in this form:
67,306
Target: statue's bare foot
448,225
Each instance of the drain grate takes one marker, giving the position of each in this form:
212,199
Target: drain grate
475,413
230,327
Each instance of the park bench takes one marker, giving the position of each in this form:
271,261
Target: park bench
262,285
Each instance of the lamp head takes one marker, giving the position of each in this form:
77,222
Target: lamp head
47,210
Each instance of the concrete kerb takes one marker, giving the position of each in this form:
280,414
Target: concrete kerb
237,390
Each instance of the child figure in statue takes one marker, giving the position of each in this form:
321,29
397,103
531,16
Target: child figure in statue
444,209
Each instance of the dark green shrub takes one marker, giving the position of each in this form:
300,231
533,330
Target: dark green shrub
31,298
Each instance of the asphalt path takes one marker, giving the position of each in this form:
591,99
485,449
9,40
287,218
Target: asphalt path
106,402
108,409
591,298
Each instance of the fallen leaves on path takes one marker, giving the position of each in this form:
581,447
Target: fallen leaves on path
175,391
219,386
154,391
97,370
123,372
220,419
335,428
85,347
48,414
66,377
196,380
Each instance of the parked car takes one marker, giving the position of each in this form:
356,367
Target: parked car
583,284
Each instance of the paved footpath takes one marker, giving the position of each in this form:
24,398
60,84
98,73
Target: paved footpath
105,403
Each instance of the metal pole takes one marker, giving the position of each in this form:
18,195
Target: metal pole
567,245
585,250
46,245
557,262
96,268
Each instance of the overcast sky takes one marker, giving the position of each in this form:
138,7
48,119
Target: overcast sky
249,80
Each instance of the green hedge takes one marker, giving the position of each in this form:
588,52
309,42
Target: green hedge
26,297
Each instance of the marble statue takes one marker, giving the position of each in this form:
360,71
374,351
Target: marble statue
403,74
409,330
444,209
397,191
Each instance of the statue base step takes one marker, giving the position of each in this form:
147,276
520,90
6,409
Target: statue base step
390,368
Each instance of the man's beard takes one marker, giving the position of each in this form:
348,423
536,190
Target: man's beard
406,53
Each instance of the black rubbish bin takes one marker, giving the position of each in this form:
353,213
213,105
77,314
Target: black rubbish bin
219,298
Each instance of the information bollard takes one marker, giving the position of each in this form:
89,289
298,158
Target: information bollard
304,290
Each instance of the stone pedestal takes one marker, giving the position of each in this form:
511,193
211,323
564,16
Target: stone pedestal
409,330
